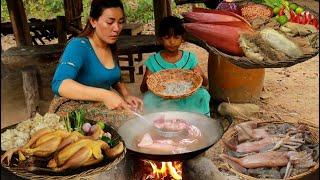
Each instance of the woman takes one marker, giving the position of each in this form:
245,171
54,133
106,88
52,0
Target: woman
88,66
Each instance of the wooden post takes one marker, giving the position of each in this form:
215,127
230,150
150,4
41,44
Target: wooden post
73,10
61,30
168,5
161,9
30,89
19,22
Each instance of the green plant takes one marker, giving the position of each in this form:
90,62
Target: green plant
142,12
136,10
4,11
40,9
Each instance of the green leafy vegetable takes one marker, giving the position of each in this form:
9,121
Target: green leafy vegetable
75,120
68,123
258,1
79,121
273,3
111,142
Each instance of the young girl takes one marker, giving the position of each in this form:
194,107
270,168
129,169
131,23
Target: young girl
171,33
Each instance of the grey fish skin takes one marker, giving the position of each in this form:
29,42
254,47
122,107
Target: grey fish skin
293,29
266,159
280,42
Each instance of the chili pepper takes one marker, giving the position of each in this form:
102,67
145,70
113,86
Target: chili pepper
302,20
314,22
309,17
281,12
293,16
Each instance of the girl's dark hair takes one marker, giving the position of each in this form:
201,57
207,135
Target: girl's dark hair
170,26
96,10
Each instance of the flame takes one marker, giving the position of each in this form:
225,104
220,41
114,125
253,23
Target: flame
174,169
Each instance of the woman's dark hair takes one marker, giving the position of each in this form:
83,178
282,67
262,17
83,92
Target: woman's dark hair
170,26
96,10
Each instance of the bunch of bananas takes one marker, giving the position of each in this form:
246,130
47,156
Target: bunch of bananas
70,149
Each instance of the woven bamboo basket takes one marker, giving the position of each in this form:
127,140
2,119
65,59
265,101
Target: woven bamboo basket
95,111
156,82
233,134
79,173
246,63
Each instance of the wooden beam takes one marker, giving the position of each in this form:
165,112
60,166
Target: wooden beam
19,22
181,2
161,9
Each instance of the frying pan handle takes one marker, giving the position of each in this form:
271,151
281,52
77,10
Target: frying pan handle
229,121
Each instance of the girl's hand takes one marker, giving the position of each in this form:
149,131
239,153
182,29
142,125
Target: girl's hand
134,102
197,71
114,101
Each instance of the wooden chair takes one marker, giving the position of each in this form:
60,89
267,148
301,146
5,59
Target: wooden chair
132,29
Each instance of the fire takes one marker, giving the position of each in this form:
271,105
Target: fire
167,169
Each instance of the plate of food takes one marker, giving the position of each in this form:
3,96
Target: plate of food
50,147
174,83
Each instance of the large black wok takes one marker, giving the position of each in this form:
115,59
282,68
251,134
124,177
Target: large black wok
211,129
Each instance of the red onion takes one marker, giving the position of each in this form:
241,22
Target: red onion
228,6
93,128
86,127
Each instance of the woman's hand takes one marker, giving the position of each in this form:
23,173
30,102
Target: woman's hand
113,101
134,102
